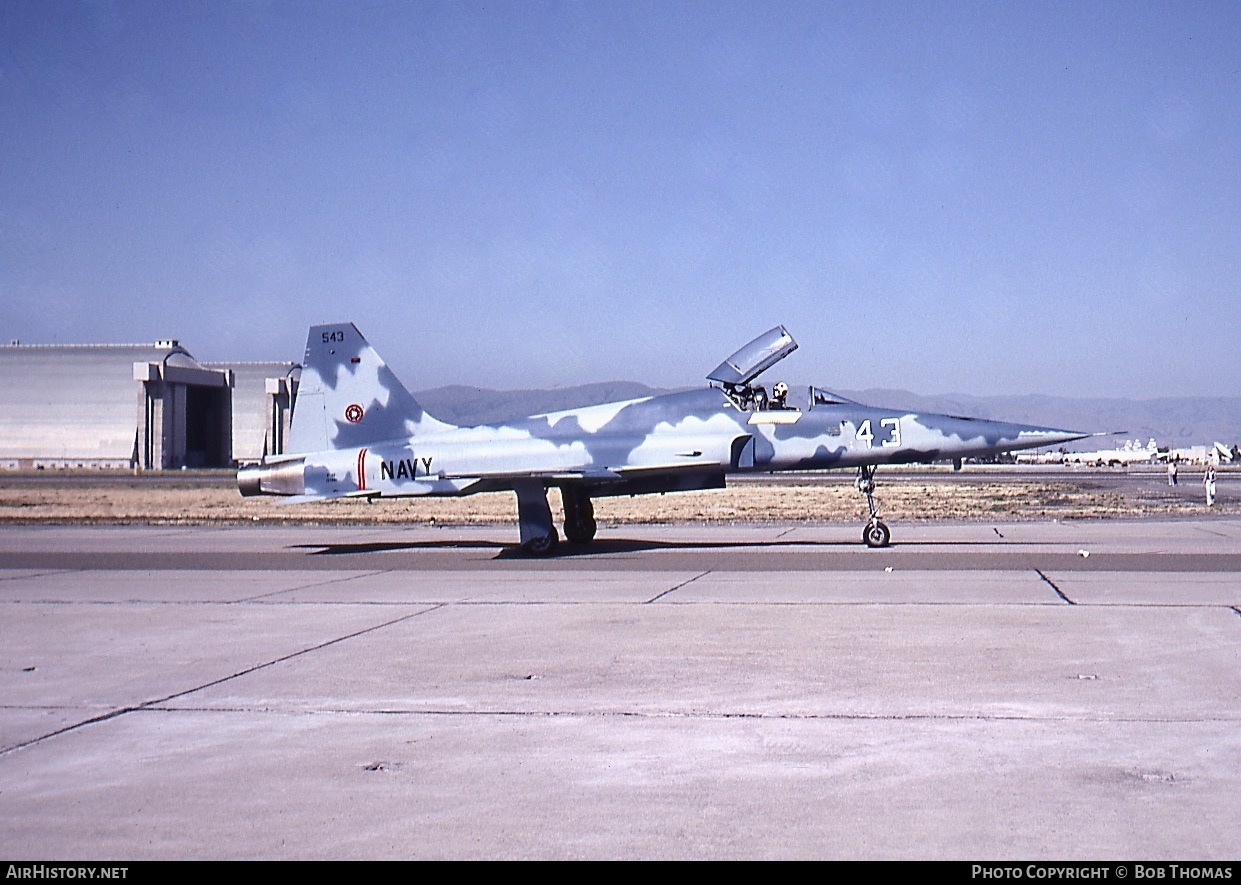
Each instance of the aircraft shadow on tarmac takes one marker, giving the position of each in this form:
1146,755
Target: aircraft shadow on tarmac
612,546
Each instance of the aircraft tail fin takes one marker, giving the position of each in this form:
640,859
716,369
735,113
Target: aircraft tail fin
348,397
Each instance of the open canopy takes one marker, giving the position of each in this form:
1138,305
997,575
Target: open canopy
755,358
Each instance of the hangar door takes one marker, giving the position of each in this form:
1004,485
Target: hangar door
185,417
207,429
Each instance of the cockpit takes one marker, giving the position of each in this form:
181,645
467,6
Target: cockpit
754,397
736,373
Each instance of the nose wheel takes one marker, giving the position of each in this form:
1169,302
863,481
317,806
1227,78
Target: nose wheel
876,533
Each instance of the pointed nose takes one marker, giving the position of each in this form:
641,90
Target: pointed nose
1034,437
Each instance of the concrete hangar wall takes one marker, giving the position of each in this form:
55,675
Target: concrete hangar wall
147,406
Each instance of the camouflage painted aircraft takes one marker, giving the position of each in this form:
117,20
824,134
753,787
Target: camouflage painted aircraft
358,433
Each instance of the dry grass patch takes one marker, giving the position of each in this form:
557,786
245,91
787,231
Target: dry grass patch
119,500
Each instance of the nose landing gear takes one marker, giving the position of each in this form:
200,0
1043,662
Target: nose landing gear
876,532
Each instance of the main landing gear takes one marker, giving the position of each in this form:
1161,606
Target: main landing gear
876,533
538,533
534,518
579,515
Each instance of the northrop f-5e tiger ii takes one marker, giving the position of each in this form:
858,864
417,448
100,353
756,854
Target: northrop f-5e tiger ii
358,433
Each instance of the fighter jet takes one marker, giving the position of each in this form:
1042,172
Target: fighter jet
358,433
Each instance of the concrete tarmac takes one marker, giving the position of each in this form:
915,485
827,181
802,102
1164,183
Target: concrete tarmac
976,691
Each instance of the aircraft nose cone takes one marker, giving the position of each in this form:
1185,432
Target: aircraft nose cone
1048,436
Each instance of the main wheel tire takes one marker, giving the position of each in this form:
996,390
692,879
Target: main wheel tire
542,546
876,534
580,532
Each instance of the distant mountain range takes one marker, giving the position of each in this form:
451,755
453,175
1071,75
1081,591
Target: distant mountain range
1172,421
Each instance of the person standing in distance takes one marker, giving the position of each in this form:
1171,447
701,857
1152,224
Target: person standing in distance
1208,482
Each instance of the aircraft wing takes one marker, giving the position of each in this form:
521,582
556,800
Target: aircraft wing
600,475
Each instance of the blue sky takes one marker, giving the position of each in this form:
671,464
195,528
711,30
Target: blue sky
979,198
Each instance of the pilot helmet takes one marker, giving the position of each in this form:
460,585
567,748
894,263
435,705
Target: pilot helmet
781,389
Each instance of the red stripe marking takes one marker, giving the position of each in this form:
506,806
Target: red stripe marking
362,470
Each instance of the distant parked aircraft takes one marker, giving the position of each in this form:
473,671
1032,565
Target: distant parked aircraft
1131,453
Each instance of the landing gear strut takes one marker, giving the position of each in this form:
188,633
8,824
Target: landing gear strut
876,533
534,517
579,515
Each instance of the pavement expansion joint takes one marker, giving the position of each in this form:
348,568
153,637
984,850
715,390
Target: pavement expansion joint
660,596
1208,531
703,715
214,682
46,573
1052,584
327,582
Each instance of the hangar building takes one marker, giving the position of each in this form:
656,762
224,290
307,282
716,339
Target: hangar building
142,406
